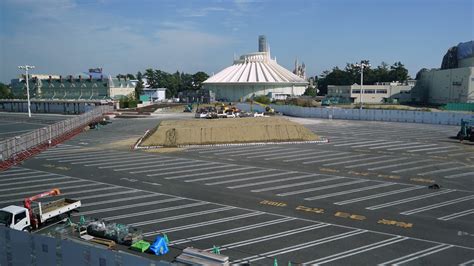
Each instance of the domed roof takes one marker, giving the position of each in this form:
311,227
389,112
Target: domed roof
255,68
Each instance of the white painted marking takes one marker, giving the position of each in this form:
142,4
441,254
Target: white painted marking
79,154
371,145
229,170
359,142
460,175
300,246
357,250
122,207
444,170
398,164
321,188
40,185
120,199
374,163
264,154
429,149
201,224
417,255
392,203
297,184
437,205
358,160
148,164
36,181
314,157
416,146
25,177
104,158
332,159
273,181
456,215
467,263
420,167
157,210
139,162
443,151
350,191
393,145
378,195
182,216
220,172
191,170
250,178
133,158
23,173
26,193
231,231
290,154
187,165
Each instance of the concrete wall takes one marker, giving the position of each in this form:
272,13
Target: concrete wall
118,91
443,118
59,107
238,92
372,93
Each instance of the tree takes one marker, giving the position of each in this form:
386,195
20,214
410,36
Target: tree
198,79
398,72
139,87
130,76
5,92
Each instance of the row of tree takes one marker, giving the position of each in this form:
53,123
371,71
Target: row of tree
351,74
5,91
175,82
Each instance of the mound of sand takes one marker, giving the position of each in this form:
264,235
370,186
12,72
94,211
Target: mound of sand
172,133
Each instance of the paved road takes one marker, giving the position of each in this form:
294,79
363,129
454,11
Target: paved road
13,124
355,200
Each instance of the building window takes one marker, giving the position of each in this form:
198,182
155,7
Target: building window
369,91
382,91
355,91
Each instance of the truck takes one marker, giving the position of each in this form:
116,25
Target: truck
27,218
467,130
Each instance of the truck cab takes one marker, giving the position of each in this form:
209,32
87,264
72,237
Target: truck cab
15,217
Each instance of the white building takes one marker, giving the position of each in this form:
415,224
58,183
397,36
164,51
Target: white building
153,94
393,91
255,74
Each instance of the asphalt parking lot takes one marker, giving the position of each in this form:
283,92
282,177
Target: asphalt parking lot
362,198
13,124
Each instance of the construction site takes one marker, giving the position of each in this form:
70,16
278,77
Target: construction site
223,184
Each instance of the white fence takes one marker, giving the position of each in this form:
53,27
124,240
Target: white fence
442,118
12,146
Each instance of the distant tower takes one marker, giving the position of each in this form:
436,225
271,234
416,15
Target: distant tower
262,43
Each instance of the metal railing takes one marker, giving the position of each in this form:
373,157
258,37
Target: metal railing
9,148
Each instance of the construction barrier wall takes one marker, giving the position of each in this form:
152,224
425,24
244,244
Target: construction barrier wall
48,106
23,248
442,118
22,143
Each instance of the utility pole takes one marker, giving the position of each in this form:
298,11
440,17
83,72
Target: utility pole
26,68
361,65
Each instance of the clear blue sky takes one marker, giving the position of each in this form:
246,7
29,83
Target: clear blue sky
70,36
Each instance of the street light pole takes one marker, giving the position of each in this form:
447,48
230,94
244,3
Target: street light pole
361,65
26,68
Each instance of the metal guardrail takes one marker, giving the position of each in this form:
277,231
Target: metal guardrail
22,143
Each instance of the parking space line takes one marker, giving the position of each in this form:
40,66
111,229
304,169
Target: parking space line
154,211
140,162
393,145
358,160
378,195
272,181
398,164
158,164
231,231
40,185
420,167
251,151
429,149
23,173
182,216
444,170
104,158
416,146
467,263
206,223
191,170
314,157
137,157
357,250
42,190
375,144
321,188
78,154
216,177
290,154
417,255
306,154
332,159
392,203
122,207
438,205
350,143
374,163
459,175
35,181
263,238
188,165
456,215
250,178
296,247
296,184
350,191
264,153
25,177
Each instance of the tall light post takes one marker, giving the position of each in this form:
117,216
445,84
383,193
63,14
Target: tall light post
362,65
26,68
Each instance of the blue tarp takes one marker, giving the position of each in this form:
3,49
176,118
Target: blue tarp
465,50
159,246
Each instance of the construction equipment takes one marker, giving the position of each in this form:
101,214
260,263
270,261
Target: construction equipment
467,130
188,108
27,218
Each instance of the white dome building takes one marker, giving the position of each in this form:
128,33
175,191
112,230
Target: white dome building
255,74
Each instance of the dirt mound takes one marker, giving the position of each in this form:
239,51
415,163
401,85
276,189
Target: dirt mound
172,133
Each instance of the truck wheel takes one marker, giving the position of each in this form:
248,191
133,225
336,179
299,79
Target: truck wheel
26,229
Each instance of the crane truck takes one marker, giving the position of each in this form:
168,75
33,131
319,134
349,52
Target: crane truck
26,217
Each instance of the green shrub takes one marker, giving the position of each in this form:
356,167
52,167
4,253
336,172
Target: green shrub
262,99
